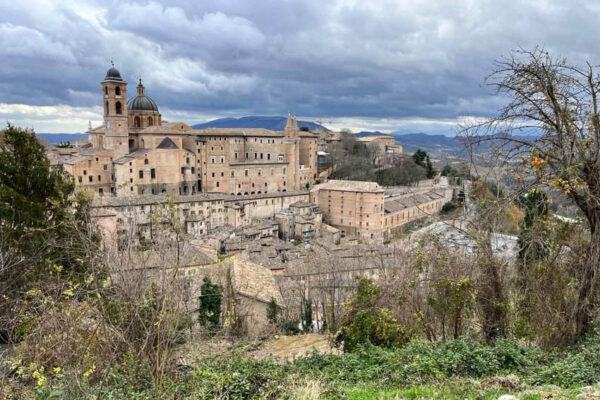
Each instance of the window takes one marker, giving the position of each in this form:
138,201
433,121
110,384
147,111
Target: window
245,172
217,184
280,158
136,122
106,108
146,161
246,156
91,178
105,167
119,108
84,172
100,191
99,178
255,156
152,173
222,160
118,91
141,174
232,174
235,155
150,121
268,156
106,90
80,179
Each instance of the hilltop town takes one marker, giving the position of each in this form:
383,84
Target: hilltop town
160,259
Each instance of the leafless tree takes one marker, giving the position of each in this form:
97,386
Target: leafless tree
551,125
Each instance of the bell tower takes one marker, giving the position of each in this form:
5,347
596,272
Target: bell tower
114,99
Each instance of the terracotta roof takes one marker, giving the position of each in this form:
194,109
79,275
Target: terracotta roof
394,204
168,128
238,132
254,281
349,186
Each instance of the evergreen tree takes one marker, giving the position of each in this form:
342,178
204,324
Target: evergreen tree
419,157
211,297
47,242
307,316
272,311
429,168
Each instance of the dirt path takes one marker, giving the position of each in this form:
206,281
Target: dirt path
290,347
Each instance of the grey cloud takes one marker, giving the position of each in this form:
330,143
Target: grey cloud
342,58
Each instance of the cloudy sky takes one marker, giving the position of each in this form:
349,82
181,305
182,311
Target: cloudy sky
407,65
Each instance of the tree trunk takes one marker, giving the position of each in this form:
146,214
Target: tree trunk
589,276
491,294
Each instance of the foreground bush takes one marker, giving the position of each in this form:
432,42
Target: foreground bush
446,367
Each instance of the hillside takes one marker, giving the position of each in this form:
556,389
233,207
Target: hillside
430,143
273,123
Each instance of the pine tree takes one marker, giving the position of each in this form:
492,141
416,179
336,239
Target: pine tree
272,311
211,297
307,316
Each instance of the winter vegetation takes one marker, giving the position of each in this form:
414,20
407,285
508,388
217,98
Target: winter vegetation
81,321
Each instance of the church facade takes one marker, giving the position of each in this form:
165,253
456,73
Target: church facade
134,152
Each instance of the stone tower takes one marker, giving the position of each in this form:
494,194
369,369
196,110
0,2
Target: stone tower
114,95
291,127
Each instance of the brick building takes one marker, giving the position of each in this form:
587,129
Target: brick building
134,152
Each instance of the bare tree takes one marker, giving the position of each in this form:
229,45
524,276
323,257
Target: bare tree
556,104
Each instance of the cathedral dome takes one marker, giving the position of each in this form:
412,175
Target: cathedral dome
141,102
113,74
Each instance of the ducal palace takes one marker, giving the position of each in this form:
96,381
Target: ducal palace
135,153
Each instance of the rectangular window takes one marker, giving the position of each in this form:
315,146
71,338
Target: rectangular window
80,179
152,173
105,167
91,178
99,178
235,155
141,174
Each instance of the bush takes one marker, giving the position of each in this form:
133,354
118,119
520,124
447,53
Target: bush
448,207
367,323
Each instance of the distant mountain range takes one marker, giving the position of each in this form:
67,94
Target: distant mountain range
272,123
54,138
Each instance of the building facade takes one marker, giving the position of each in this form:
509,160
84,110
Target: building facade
134,152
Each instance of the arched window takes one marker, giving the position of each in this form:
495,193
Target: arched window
119,108
106,108
150,121
118,91
136,122
106,90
